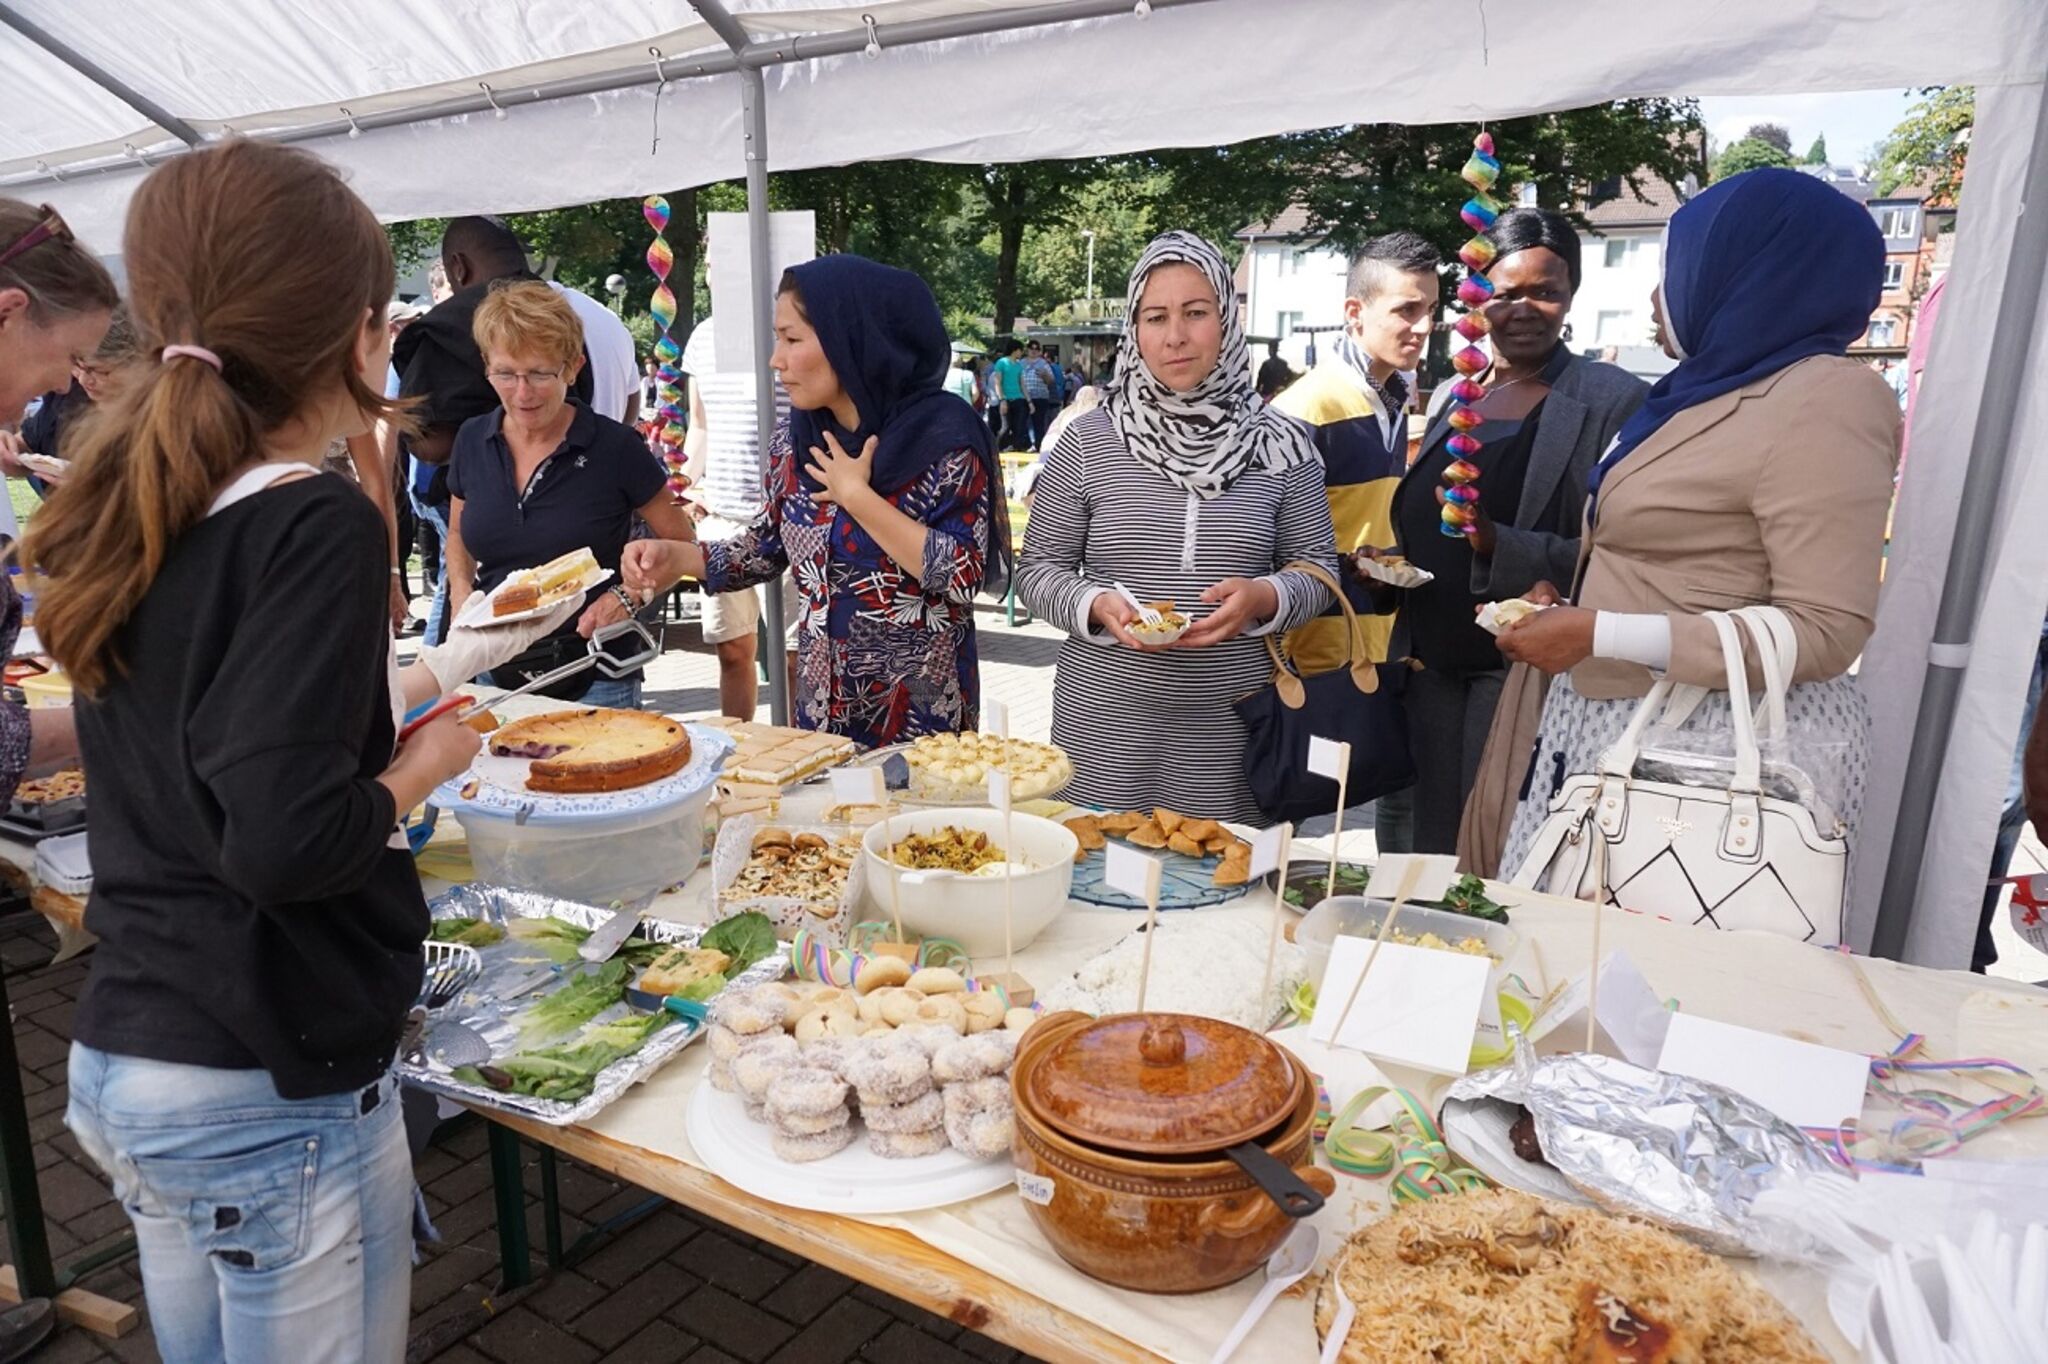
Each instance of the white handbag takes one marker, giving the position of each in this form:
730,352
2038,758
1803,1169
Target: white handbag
1727,858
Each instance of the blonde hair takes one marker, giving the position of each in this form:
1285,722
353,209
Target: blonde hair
259,253
527,317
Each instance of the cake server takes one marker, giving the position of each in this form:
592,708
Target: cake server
607,664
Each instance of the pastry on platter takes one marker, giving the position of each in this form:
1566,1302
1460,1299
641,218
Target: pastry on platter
1172,831
581,751
776,755
948,766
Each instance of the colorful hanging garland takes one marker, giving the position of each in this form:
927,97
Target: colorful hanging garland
666,432
1461,495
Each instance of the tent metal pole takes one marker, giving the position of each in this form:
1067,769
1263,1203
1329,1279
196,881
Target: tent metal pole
100,76
1955,624
754,113
754,132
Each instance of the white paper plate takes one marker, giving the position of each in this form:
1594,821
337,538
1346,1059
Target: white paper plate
476,612
1489,617
854,1182
1403,575
46,465
1476,1130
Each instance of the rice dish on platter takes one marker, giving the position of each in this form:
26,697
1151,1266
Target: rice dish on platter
1496,1277
1208,965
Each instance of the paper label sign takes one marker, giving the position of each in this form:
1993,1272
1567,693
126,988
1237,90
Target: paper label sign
1414,876
999,790
1630,1013
1803,1083
1131,872
1269,849
995,718
1328,758
1034,1188
858,786
1419,1007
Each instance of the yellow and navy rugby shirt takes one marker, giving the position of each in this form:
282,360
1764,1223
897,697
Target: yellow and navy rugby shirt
1365,452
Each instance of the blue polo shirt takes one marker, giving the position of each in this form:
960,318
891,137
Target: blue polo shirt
582,496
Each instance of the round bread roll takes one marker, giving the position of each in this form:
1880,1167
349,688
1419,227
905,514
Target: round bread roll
805,1092
799,1125
984,1011
921,1114
878,972
1019,1020
846,1024
723,1041
898,1004
811,1026
877,1029
721,1077
938,980
927,1037
757,1066
907,1145
946,1009
799,1150
870,1007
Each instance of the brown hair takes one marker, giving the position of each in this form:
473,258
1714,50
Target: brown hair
527,315
60,277
260,254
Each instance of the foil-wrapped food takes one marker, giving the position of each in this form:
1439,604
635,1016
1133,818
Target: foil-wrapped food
1684,1153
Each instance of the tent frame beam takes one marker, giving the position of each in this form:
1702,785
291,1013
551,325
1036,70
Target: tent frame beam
691,66
1976,527
100,76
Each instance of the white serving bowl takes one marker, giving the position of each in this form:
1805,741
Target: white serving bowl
969,909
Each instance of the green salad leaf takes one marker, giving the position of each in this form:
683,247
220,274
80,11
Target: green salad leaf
744,938
468,932
567,1072
701,990
567,1007
1469,896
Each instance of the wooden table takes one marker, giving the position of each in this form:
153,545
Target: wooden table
884,1257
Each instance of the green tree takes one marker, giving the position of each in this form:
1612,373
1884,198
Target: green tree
1362,181
1817,154
1930,143
1748,154
1775,134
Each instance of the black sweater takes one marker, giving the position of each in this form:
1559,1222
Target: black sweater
250,911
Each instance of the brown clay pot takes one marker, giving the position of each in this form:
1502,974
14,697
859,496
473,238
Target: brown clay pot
1180,1217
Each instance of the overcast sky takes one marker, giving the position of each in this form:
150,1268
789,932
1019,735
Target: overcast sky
1853,123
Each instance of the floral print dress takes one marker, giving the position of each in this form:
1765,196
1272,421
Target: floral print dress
884,654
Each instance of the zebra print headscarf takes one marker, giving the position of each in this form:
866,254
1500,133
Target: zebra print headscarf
1207,438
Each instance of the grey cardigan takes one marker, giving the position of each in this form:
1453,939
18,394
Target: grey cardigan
1588,402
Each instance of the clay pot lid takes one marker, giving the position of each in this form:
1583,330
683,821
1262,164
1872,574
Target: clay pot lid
1161,1084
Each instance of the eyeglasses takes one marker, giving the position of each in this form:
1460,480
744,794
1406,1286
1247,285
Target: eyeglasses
533,378
51,226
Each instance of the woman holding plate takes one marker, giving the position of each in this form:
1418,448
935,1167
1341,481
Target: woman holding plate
1181,487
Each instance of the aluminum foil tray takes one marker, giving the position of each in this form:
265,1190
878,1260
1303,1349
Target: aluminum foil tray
510,963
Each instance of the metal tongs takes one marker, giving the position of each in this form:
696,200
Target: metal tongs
607,664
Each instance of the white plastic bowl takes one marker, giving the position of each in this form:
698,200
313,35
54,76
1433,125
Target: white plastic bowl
969,909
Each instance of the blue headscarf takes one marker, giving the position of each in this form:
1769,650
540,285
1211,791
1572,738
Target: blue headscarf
881,332
1761,271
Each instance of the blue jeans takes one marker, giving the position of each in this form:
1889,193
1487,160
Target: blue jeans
437,614
270,1229
614,693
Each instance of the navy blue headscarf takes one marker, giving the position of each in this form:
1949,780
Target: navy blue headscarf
1761,271
881,331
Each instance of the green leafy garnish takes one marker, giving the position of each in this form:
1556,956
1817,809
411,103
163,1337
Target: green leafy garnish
569,1006
468,932
1469,896
556,940
701,989
1306,889
744,938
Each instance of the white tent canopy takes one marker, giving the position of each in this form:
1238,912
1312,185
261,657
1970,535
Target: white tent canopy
501,105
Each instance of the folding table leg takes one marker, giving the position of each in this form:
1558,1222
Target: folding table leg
29,1242
509,1190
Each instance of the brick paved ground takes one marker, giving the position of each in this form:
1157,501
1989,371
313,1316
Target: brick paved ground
672,1287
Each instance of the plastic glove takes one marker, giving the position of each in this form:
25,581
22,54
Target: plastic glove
469,651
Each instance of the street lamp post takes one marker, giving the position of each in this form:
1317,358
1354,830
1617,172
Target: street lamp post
615,285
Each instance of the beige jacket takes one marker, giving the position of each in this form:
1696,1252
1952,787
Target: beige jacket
1773,494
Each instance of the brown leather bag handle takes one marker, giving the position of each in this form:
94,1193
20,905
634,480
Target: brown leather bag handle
1357,656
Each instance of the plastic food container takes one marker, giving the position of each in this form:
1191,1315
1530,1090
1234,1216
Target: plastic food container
47,691
63,866
594,849
1356,916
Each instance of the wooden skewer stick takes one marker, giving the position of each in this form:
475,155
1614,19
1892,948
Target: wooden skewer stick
895,888
1151,932
1337,831
1279,901
1386,927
